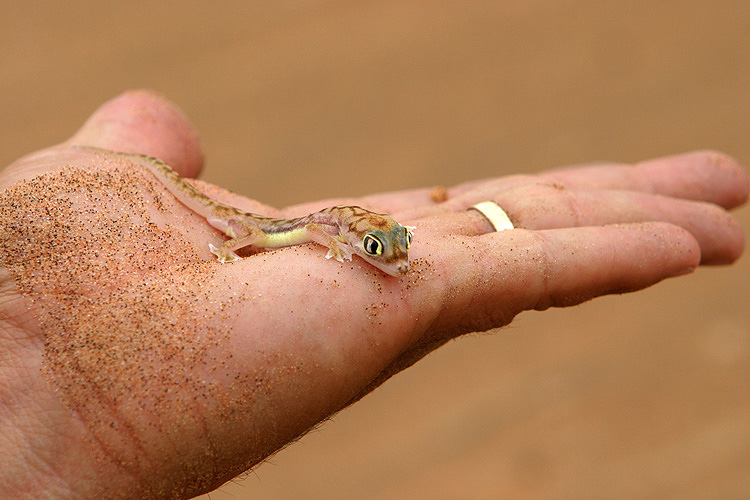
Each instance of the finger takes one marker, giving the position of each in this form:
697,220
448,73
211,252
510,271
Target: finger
144,123
547,207
707,176
491,278
700,176
703,176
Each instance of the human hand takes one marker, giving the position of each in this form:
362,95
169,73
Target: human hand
135,365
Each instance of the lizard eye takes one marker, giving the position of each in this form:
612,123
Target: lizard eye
408,237
372,245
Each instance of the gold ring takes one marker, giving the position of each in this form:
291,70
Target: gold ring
496,215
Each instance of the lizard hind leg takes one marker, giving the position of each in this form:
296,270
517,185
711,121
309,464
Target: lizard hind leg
226,252
223,254
337,249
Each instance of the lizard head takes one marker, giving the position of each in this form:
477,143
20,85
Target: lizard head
386,248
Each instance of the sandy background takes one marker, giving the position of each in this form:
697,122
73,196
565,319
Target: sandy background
638,396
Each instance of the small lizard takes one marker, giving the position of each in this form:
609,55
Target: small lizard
345,230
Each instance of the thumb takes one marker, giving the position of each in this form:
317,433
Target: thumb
143,122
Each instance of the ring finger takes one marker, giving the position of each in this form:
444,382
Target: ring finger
540,206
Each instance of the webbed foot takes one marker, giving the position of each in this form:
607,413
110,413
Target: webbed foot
225,256
340,253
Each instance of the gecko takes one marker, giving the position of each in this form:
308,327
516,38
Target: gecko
345,230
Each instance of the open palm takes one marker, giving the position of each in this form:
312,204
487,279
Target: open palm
134,364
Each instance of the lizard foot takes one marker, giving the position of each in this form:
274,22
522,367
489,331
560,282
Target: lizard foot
225,256
339,253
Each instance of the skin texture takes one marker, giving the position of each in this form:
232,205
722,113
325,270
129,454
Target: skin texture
135,366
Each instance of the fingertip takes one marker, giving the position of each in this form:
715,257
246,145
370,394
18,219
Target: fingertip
730,233
705,175
737,178
144,122
679,252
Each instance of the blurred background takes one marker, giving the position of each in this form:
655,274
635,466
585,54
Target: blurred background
645,395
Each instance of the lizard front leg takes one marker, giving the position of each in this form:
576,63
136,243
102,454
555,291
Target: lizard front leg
337,249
